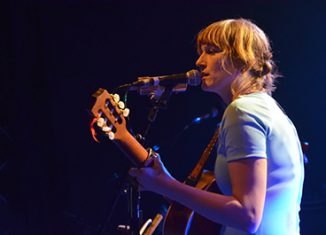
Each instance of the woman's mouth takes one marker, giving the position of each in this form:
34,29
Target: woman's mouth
203,75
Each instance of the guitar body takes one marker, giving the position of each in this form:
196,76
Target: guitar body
181,220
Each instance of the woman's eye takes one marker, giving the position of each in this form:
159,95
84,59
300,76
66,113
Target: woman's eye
212,50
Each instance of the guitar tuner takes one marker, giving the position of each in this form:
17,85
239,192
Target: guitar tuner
111,135
107,129
121,105
100,122
126,112
116,97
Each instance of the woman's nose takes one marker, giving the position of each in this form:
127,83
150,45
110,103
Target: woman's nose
200,61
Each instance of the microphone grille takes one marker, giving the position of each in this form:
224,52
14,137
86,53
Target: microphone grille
194,78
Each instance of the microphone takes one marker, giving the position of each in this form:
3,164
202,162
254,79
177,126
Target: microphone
191,78
212,114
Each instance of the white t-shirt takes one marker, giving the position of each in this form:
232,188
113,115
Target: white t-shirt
254,125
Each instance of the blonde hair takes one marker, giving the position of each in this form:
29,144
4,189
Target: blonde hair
248,49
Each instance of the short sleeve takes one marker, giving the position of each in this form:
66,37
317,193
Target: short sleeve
245,134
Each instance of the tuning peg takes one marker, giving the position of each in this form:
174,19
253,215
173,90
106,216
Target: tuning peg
106,129
121,105
110,135
100,122
126,112
116,98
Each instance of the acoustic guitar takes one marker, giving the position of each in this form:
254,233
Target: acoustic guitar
109,115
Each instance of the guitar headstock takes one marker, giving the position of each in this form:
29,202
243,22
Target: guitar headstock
109,115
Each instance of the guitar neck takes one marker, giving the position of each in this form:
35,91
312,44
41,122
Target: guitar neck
136,153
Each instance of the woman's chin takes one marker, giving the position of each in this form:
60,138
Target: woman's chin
204,87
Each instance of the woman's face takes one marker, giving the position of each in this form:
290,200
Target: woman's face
214,77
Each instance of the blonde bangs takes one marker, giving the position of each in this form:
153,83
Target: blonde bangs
215,35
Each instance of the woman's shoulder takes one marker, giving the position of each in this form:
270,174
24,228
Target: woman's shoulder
257,106
251,102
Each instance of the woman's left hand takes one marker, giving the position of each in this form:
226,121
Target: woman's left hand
152,178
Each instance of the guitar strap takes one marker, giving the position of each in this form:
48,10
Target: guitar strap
194,176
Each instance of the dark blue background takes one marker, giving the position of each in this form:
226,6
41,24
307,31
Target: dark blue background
54,54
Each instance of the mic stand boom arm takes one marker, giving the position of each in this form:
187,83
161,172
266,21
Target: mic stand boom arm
157,104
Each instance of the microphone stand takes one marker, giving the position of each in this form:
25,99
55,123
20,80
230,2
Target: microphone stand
160,103
136,214
130,187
